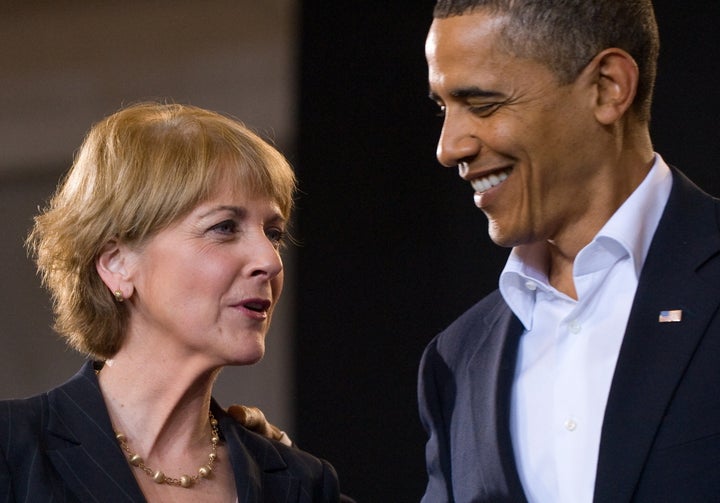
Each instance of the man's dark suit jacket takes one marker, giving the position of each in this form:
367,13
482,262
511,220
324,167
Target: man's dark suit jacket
60,447
660,439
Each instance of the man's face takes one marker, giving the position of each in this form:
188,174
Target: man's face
524,141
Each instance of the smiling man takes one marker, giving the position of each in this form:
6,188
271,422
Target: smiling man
591,374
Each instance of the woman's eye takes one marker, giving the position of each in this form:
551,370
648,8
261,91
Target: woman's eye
225,227
276,236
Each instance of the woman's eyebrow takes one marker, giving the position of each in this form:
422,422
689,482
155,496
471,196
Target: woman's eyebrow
237,211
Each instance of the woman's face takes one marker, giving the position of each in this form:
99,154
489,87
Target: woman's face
207,285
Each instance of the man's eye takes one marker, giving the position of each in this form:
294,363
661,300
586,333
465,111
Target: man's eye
225,227
441,111
484,110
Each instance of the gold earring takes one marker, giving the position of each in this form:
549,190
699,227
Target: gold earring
118,296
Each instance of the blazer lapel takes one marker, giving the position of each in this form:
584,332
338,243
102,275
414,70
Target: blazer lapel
492,370
81,444
261,474
82,447
654,355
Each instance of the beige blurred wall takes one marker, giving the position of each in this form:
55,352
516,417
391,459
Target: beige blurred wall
66,64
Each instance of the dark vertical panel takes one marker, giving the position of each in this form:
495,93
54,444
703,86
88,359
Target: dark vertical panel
687,101
393,248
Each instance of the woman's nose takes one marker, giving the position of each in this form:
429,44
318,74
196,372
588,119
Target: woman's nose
265,258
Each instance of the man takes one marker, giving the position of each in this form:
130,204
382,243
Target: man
592,374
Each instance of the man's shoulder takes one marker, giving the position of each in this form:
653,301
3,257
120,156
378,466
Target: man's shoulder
691,221
481,314
472,327
686,194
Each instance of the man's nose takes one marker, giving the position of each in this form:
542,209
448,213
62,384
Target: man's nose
457,142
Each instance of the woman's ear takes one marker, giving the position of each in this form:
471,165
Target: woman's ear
616,82
112,265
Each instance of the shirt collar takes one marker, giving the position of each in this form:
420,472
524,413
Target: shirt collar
628,232
633,225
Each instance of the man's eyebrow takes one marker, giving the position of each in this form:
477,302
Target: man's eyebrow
468,92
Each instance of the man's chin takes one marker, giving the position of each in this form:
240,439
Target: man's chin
500,236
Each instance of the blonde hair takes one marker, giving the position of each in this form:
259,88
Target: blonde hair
137,171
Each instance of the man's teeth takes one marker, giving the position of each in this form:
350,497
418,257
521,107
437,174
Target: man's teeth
488,182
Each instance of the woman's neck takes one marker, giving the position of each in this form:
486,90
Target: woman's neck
162,408
160,403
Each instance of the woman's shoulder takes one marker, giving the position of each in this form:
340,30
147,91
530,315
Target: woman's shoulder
21,426
272,452
24,420
276,461
21,413
31,413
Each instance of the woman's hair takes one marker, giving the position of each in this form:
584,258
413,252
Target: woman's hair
138,171
566,34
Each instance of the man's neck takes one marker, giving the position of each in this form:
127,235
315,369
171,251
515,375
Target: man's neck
622,179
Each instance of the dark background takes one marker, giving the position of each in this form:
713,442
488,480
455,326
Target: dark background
393,248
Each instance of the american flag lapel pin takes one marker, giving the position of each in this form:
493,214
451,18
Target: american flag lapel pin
672,316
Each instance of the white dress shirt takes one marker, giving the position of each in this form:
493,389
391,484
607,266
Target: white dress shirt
569,348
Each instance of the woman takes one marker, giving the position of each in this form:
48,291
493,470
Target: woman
161,252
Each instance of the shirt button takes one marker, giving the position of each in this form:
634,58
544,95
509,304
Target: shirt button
531,285
570,425
574,327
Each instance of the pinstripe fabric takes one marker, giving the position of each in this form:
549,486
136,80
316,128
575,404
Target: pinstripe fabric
59,447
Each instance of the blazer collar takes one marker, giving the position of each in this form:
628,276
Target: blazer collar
82,447
81,444
654,355
261,473
494,362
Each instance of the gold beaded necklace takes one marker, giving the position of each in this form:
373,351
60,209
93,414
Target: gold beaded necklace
159,477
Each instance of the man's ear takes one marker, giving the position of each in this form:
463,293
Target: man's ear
616,81
112,265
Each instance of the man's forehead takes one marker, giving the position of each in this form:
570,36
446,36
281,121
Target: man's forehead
464,28
467,40
465,55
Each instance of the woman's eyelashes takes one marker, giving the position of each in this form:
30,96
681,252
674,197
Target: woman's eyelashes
226,227
276,236
230,228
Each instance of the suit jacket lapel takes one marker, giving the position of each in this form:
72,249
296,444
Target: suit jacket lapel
654,355
492,370
261,474
81,444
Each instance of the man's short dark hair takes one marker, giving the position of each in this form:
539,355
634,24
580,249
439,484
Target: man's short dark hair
566,34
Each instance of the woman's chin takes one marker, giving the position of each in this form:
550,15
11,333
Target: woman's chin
249,356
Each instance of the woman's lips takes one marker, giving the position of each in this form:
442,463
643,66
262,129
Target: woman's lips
255,308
